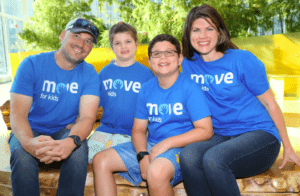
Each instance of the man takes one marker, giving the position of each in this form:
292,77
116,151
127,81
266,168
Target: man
49,91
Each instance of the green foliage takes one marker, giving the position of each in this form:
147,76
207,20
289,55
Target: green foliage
242,18
143,38
288,12
49,20
105,39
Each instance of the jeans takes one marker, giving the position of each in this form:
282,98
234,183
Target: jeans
211,167
25,169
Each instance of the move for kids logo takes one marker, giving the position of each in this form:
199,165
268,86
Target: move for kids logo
163,109
112,85
206,80
52,89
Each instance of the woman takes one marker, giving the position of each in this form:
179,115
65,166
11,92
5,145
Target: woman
248,124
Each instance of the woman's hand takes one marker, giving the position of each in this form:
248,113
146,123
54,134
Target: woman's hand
289,155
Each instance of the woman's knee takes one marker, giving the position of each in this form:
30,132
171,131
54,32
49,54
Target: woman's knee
187,155
191,157
211,161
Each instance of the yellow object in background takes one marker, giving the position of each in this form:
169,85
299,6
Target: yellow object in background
280,53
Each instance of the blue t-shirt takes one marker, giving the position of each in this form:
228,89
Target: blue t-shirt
119,90
56,92
171,111
231,85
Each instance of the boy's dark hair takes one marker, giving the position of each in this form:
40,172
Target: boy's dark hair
161,38
205,11
122,27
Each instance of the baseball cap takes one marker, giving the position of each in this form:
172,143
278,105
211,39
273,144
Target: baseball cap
80,25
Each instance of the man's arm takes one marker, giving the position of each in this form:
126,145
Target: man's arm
20,106
202,131
88,107
139,140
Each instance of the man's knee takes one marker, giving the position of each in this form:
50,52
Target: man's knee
19,157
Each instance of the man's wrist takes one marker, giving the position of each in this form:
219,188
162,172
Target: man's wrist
70,143
76,139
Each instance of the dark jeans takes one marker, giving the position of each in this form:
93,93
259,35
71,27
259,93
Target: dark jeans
211,167
25,169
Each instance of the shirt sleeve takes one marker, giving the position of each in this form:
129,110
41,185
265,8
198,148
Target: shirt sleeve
92,83
254,75
141,111
24,79
102,90
196,103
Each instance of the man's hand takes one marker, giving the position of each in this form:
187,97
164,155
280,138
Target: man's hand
61,151
144,164
34,145
158,149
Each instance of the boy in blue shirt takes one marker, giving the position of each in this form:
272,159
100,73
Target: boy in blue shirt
174,111
120,83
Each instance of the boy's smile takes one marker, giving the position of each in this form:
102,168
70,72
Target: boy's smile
165,65
124,47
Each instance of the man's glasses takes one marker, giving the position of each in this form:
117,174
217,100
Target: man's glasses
86,25
168,53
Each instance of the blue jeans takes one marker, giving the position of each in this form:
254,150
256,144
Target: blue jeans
25,169
211,167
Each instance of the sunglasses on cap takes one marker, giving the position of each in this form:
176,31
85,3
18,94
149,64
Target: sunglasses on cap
80,23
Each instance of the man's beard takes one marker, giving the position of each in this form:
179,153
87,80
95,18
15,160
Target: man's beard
70,59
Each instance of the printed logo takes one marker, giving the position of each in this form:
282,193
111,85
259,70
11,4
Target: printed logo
111,93
155,119
109,84
51,87
209,79
118,83
60,88
163,109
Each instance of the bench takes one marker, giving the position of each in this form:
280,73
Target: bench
273,182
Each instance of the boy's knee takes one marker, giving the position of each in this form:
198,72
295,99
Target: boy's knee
101,160
158,174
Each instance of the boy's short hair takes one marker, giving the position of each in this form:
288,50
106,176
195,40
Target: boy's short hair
122,27
161,38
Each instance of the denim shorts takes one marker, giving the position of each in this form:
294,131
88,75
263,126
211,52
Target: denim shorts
101,141
133,174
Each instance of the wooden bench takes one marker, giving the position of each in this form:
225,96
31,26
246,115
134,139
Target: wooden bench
273,182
